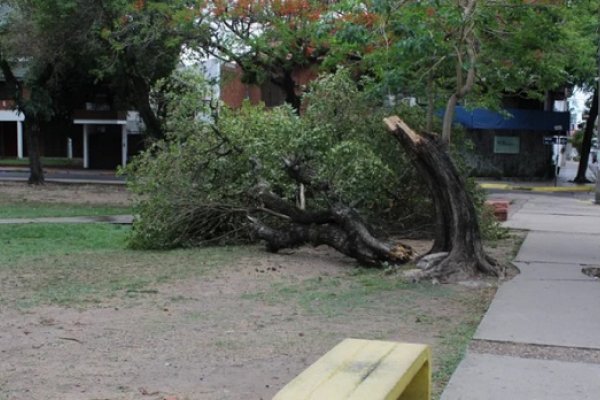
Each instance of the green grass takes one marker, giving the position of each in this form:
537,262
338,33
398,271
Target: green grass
74,265
41,241
455,341
37,210
455,345
361,289
46,161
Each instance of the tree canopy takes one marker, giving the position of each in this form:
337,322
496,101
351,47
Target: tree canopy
47,41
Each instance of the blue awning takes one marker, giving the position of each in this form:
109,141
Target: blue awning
532,120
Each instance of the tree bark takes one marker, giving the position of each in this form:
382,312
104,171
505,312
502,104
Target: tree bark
586,144
140,96
32,121
457,230
33,133
348,235
463,85
339,226
449,118
430,102
287,83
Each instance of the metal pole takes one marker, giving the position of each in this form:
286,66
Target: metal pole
124,146
19,139
86,156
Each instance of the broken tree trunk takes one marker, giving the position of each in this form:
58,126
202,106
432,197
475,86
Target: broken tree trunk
338,226
457,237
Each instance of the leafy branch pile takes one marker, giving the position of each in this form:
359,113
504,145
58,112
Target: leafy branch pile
206,183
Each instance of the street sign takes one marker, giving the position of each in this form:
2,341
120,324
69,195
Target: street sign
548,140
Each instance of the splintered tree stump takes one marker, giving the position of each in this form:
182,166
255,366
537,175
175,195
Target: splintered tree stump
457,229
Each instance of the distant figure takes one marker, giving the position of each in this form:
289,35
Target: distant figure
593,166
562,158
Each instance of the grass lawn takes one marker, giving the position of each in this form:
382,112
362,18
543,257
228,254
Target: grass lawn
219,323
80,264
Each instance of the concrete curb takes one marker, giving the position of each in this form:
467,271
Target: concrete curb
68,181
543,189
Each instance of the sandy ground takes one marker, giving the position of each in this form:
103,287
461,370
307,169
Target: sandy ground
66,193
209,338
240,331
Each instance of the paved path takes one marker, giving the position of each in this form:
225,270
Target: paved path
540,339
58,175
109,219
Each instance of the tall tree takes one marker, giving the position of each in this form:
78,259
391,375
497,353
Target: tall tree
140,42
466,52
41,36
476,53
586,26
269,39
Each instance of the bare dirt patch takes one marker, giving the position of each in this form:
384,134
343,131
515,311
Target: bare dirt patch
241,330
116,195
237,327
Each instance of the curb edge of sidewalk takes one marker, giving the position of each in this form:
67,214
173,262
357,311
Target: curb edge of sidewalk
544,189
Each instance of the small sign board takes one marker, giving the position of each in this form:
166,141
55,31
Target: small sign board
506,145
548,140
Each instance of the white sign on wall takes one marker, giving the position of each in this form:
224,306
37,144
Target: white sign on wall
506,144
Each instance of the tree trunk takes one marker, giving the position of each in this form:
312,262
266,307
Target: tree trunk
430,102
140,96
33,133
289,87
449,118
457,232
339,227
287,83
586,144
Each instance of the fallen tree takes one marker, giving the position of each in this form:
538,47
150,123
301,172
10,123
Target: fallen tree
338,225
457,252
315,179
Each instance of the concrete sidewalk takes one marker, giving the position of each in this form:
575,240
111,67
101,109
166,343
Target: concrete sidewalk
562,184
540,339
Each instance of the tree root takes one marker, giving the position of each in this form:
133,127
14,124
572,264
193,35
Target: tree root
449,268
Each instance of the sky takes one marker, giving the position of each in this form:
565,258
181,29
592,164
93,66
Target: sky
578,102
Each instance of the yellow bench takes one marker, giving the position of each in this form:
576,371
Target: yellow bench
365,370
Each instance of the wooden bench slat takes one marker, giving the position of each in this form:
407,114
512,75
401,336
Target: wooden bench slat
349,375
395,373
361,369
319,372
